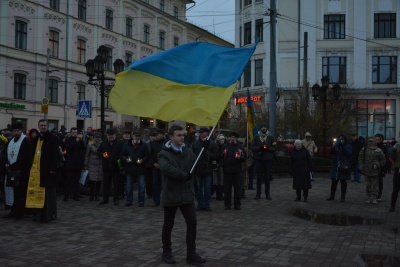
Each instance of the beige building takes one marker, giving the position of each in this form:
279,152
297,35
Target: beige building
353,42
44,46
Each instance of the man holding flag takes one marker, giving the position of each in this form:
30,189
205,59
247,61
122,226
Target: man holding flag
193,83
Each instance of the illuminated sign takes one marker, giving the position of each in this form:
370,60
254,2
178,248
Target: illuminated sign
256,98
11,105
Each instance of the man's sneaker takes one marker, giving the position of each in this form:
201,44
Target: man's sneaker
368,201
379,199
374,201
167,257
195,259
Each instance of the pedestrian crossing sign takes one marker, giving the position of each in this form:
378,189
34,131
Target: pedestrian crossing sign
85,109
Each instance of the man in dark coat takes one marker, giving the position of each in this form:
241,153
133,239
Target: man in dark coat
74,161
109,150
232,158
135,154
263,147
175,161
155,147
356,146
15,157
42,177
204,171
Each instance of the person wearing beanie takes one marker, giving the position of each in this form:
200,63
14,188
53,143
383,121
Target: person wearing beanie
312,148
263,147
15,156
370,161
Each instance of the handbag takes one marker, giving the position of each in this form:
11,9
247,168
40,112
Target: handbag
83,178
13,178
344,167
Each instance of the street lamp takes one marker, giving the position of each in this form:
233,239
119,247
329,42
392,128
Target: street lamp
95,68
321,92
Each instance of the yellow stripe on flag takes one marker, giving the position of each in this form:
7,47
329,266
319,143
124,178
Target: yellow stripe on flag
145,95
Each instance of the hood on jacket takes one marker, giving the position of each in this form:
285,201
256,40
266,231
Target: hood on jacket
339,141
29,133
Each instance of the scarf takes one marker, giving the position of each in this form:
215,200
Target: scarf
13,149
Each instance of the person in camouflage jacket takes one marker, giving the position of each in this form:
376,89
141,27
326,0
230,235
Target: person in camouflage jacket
370,161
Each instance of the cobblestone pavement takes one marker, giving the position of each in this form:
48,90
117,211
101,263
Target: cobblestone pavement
280,232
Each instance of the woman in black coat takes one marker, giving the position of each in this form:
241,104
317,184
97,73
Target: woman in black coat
301,165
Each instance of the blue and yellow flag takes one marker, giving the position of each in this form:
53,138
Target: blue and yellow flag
191,83
251,121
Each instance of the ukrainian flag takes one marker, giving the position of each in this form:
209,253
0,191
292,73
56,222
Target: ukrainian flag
191,82
251,121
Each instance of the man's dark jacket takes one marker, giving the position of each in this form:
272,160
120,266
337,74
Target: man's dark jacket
263,150
75,155
110,163
205,168
137,151
228,159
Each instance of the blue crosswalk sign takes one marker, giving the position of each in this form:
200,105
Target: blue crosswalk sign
85,109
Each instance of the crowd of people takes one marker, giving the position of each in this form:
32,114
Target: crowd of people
174,171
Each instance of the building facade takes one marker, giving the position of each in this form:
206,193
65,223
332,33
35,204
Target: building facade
354,42
44,46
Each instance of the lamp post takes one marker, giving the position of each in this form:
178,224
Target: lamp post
321,93
95,68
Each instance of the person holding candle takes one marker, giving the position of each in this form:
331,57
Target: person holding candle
135,154
109,150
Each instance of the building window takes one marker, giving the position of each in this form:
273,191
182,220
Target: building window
385,25
247,33
176,12
128,27
335,69
80,93
146,1
247,2
109,19
109,64
384,69
21,34
19,86
146,34
53,91
162,40
162,5
82,9
334,26
54,40
128,59
259,30
247,75
258,72
176,41
55,4
81,51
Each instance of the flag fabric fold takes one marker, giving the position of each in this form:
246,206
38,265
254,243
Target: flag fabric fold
191,82
251,121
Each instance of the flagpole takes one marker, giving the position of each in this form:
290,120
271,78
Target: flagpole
201,151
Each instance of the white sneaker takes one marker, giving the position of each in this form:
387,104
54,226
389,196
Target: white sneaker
368,201
379,199
374,201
